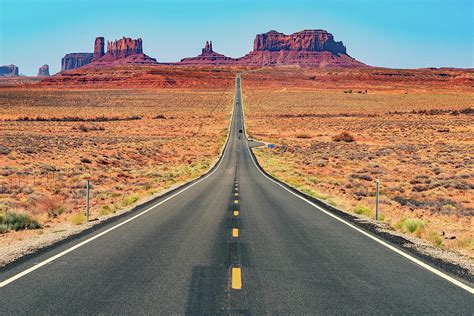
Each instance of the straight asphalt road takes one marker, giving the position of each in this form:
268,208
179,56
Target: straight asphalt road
235,242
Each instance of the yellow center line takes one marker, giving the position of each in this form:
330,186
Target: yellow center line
235,232
236,194
236,279
236,201
236,213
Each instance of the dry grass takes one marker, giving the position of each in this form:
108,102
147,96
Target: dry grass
88,134
423,157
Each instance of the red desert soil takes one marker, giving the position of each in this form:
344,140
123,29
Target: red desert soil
137,130
336,131
135,76
130,143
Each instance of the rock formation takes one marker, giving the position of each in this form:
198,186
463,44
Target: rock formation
208,57
308,40
124,47
124,51
207,48
75,60
43,71
8,71
98,48
309,48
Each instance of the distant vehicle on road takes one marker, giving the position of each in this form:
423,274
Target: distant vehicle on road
240,131
250,139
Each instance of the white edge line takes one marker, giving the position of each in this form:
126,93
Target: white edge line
383,243
51,259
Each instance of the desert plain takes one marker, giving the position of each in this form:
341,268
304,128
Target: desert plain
337,131
134,132
130,143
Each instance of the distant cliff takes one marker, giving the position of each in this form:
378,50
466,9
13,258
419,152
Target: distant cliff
8,71
119,52
75,60
308,48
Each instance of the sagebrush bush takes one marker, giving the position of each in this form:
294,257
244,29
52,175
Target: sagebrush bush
129,200
14,221
361,210
78,218
303,135
3,228
410,224
344,137
434,238
106,210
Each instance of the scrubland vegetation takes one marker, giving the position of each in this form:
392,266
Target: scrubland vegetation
333,145
130,144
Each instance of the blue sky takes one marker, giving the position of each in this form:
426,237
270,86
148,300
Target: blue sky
389,33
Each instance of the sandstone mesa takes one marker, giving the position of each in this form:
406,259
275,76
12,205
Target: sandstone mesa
308,48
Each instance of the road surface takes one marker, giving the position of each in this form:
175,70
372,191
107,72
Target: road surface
235,242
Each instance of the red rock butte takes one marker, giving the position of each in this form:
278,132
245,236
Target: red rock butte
208,57
43,71
124,51
308,48
9,71
75,60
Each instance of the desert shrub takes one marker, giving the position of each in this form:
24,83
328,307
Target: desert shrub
434,238
4,150
344,137
303,135
83,128
463,243
410,224
86,160
147,185
14,221
362,176
159,116
129,200
78,218
77,119
362,193
3,228
106,210
411,202
361,210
